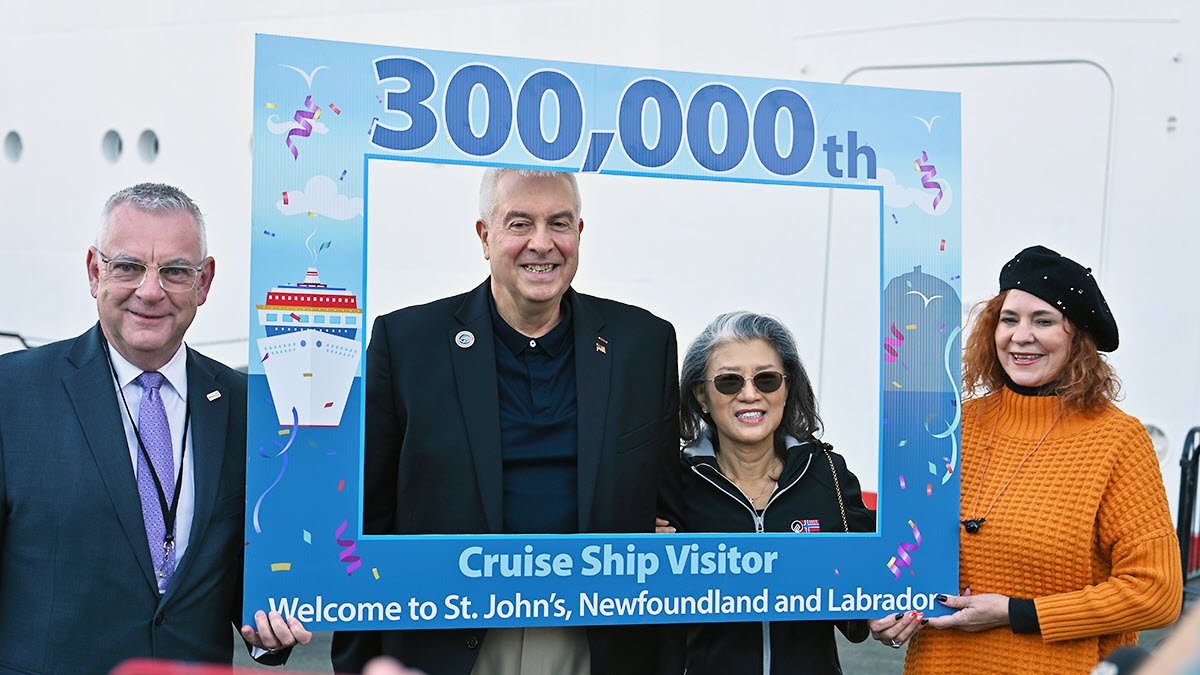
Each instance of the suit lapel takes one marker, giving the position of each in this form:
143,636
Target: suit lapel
93,395
208,428
475,376
592,372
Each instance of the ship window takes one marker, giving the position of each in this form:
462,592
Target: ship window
318,319
304,319
350,321
287,318
272,317
335,319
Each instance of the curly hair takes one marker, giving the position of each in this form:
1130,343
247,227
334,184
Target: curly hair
1087,382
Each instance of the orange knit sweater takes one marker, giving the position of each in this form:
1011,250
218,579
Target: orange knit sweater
1084,529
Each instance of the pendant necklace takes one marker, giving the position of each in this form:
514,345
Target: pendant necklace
972,525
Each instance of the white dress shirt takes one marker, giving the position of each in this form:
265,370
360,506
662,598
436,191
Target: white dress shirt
174,396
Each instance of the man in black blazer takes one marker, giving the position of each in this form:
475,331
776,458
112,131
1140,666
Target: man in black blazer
85,582
520,406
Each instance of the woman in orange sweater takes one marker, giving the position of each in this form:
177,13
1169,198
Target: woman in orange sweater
1067,548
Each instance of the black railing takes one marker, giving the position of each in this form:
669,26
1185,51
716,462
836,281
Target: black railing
1189,476
18,336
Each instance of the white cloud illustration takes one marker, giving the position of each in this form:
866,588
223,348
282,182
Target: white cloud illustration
900,196
321,197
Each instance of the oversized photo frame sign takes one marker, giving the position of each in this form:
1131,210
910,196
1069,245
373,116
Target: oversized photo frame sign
326,113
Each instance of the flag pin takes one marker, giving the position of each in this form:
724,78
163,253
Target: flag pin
601,345
214,395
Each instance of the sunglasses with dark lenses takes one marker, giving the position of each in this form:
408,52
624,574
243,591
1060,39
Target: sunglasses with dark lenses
766,382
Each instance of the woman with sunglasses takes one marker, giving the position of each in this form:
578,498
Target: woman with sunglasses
1066,546
753,463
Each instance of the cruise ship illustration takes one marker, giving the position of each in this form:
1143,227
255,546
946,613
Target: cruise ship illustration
311,351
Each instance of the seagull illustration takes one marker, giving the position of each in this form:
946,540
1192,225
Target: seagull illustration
927,300
928,124
308,77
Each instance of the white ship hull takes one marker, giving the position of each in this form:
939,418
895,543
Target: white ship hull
311,371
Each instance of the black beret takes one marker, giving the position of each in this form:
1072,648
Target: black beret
1067,286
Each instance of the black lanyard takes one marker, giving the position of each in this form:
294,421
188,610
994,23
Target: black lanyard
169,510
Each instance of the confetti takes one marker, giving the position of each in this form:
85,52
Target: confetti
943,245
329,404
317,116
307,374
902,485
295,316
956,276
265,356
836,572
928,172
933,468
343,177
346,555
282,469
375,571
307,536
894,220
311,214
285,199
268,233
335,110
949,468
929,489
341,484
942,328
896,384
305,128
902,551
272,106
911,326
281,567
324,246
890,343
903,442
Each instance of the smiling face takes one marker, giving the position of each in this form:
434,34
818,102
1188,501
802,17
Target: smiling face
146,324
747,419
1033,339
531,240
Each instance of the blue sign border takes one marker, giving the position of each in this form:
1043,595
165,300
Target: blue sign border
305,552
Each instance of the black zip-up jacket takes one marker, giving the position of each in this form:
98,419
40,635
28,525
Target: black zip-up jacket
805,491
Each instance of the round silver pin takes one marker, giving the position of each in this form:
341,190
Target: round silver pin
464,339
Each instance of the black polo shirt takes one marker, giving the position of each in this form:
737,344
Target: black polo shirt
539,433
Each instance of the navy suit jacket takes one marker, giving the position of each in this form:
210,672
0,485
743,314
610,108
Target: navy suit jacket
77,588
433,455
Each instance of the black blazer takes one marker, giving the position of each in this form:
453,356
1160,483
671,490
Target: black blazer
77,588
433,458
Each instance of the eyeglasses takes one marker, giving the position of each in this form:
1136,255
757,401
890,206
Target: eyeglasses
766,382
126,273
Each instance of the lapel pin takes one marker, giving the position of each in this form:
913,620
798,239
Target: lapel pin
214,395
601,345
464,339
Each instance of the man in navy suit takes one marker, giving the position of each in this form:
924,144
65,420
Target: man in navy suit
122,468
519,407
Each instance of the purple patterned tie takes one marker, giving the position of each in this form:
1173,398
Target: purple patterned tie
156,435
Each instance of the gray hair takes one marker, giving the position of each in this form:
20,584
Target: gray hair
800,418
154,198
492,176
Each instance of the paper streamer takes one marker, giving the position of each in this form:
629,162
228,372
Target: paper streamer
305,129
335,109
947,364
922,164
282,469
902,485
890,343
346,555
902,557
